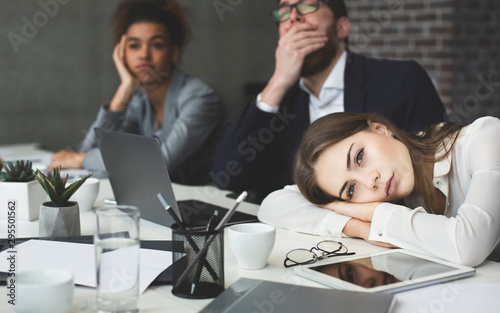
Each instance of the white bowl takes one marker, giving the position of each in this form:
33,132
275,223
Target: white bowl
43,291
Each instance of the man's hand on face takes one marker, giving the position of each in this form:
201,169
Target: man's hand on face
297,42
294,45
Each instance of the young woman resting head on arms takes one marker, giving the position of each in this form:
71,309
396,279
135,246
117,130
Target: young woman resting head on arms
435,192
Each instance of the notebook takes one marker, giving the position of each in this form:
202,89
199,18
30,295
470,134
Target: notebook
165,278
137,173
250,295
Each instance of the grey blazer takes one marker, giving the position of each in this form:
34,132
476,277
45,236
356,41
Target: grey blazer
193,121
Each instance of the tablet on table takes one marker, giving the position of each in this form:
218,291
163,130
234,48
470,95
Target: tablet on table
389,271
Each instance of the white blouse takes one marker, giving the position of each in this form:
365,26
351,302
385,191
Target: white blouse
467,232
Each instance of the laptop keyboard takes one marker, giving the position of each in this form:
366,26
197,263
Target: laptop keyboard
196,212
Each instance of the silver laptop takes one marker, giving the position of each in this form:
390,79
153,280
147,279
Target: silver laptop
137,173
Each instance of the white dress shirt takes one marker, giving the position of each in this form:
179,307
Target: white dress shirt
467,232
331,96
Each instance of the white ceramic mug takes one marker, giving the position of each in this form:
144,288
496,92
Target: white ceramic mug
86,194
252,244
43,291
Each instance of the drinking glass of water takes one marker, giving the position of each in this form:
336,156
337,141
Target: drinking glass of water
116,240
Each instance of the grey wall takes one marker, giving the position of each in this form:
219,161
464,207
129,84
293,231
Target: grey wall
56,66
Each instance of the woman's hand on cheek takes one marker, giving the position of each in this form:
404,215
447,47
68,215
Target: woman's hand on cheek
119,58
360,211
129,83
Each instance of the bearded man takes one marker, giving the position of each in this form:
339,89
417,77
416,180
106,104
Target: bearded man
315,75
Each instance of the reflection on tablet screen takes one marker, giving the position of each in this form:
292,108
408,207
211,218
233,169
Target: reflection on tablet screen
382,270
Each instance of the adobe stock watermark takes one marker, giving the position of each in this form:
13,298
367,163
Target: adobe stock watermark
223,6
361,36
449,294
11,251
251,146
30,27
484,89
158,78
277,296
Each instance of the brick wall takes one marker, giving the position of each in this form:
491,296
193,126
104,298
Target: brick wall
456,41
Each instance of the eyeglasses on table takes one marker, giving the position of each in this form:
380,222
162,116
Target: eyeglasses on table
324,249
303,7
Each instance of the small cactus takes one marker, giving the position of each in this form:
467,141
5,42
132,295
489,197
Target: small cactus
55,186
18,172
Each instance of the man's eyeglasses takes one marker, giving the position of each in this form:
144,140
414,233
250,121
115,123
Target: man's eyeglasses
323,250
304,7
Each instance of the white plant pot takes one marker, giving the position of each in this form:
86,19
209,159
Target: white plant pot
27,196
59,221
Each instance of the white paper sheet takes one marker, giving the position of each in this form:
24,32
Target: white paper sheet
26,152
452,297
80,260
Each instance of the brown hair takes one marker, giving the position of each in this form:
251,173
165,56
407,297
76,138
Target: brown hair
165,12
333,128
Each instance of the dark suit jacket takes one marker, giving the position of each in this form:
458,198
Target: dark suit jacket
256,153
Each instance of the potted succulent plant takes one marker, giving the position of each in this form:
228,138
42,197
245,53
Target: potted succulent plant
19,191
59,217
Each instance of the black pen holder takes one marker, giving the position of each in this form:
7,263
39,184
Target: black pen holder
206,278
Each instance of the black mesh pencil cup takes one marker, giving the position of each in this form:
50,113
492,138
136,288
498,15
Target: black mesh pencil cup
206,278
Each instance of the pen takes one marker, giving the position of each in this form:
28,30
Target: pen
170,211
229,213
212,220
210,239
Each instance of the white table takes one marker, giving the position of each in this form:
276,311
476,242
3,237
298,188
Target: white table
160,298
